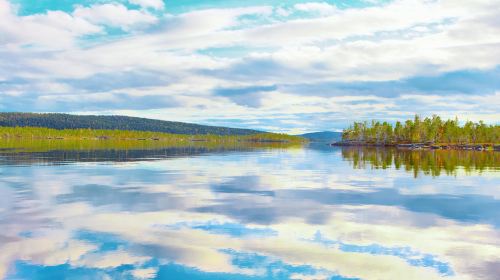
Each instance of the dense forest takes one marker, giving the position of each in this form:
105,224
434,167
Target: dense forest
66,121
418,130
42,133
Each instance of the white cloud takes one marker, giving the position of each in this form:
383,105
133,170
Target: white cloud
114,15
155,4
319,7
49,31
45,54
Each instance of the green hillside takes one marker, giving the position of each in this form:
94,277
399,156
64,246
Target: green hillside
67,121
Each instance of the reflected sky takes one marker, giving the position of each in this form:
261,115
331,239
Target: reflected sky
298,213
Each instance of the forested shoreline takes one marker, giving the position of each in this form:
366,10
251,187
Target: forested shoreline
114,122
42,133
430,132
54,126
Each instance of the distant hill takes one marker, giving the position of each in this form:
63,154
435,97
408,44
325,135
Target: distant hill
67,121
323,136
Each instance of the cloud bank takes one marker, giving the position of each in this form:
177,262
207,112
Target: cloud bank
283,67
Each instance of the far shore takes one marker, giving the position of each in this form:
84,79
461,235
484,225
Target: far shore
425,146
43,133
192,139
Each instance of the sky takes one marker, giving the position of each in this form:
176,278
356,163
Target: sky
284,66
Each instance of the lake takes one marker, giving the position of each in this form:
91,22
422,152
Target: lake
314,212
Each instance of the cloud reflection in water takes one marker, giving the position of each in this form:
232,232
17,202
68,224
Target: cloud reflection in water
270,214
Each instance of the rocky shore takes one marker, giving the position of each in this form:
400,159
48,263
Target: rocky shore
423,146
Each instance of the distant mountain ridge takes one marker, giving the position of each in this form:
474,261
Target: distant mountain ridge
323,136
68,121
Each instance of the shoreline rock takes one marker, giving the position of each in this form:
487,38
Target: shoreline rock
421,146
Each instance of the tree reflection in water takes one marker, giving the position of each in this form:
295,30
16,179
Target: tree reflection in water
428,162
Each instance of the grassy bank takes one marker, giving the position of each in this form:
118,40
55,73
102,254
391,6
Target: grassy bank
124,138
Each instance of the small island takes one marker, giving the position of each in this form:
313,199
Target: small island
427,133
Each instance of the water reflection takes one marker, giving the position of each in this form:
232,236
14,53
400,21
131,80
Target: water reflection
21,157
252,214
68,151
428,162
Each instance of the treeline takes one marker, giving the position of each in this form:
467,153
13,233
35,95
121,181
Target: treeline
419,130
100,134
67,121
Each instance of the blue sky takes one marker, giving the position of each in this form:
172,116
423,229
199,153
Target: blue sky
290,66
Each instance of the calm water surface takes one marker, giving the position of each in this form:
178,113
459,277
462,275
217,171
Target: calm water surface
297,213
